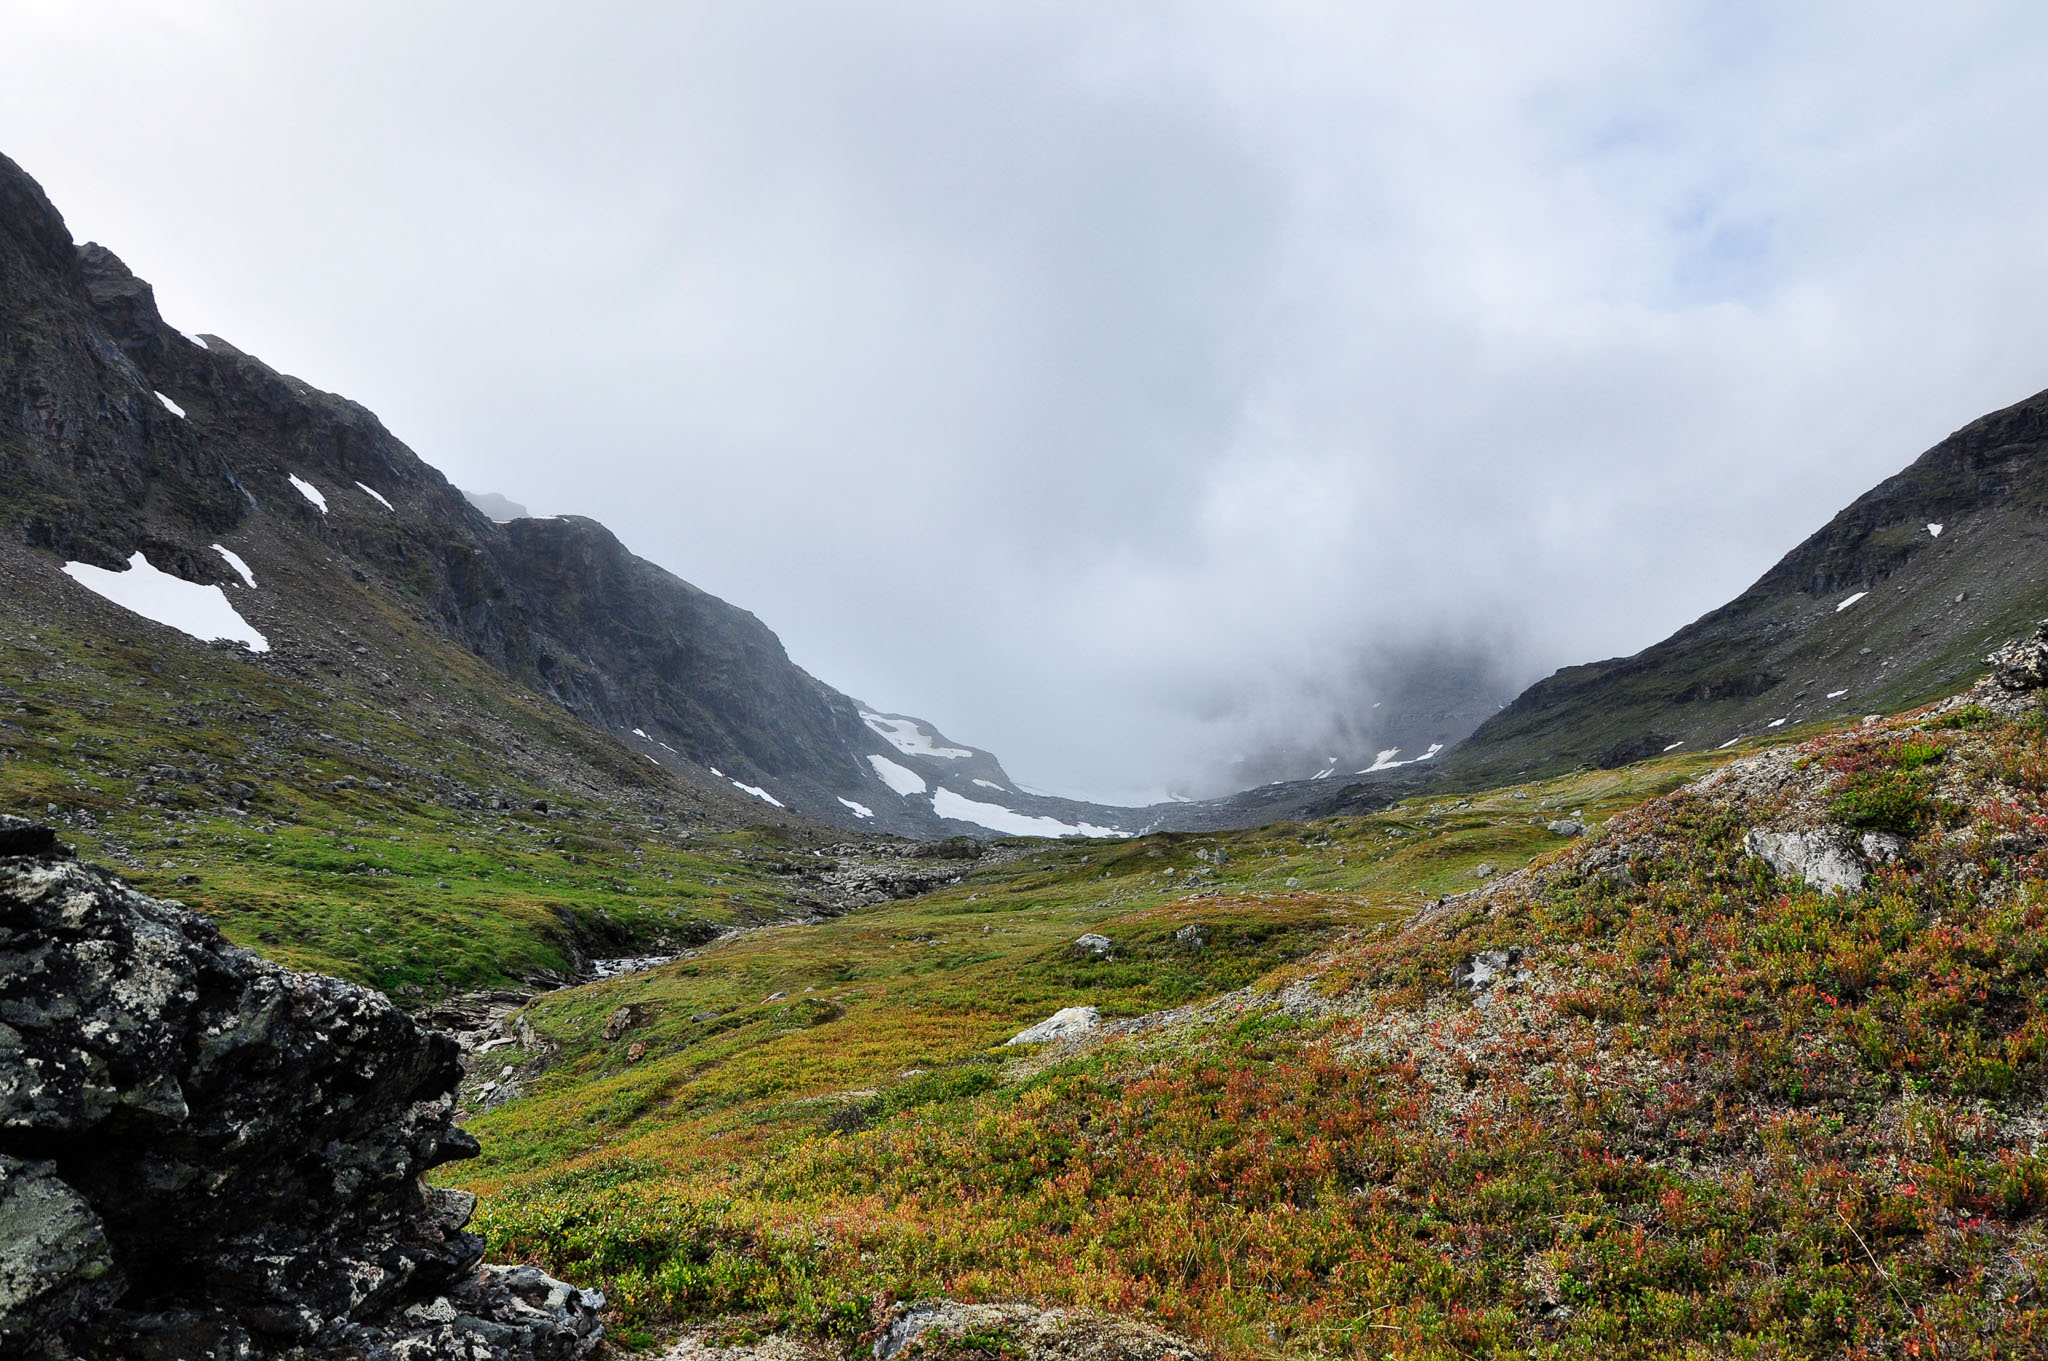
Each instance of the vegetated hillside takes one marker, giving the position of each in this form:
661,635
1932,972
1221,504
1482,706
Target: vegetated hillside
120,435
1656,1095
1754,1069
1891,603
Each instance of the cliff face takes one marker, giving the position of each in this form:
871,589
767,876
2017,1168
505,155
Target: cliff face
202,1154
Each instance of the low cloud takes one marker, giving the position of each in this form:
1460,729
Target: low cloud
1137,392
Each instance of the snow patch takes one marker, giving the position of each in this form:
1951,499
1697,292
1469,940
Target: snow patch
1729,743
201,612
904,781
1934,531
372,491
991,784
1836,694
753,789
200,341
1775,723
716,771
911,738
641,733
241,568
997,818
1385,760
1850,601
171,406
309,491
860,810
1676,745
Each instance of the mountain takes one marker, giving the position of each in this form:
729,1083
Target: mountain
1892,602
151,467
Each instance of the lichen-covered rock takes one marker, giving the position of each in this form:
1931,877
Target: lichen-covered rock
204,1154
2023,663
1063,1024
1821,856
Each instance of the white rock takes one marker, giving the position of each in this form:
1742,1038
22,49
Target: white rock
1062,1024
1820,857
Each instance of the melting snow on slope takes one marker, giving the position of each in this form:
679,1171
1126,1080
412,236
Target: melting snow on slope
1729,743
991,784
997,818
235,561
640,733
1934,531
1385,760
200,341
753,789
860,810
1676,745
1836,694
1775,723
309,491
380,498
201,612
171,406
908,737
1850,601
903,781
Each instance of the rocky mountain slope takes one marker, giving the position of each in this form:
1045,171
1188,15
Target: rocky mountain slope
136,459
1890,603
202,1154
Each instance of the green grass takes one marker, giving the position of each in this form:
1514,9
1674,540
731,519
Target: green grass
1754,1120
342,838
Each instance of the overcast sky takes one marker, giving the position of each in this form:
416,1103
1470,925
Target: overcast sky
1101,379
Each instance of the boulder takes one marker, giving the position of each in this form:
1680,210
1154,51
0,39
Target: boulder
1091,946
2023,663
202,1154
1485,869
1477,973
1567,827
1820,856
1061,1025
1194,936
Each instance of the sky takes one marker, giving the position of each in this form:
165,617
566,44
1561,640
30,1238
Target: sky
1117,384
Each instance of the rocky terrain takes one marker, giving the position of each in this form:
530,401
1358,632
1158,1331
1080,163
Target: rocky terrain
202,1154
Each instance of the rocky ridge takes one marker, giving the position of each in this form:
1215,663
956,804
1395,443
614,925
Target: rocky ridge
202,1154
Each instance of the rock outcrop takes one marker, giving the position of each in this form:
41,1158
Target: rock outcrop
205,1155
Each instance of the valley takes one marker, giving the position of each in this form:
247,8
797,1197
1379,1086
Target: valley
1693,1003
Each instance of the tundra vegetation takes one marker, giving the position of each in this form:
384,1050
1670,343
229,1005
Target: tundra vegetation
1703,1110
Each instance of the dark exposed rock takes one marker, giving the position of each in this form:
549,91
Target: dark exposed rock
202,1154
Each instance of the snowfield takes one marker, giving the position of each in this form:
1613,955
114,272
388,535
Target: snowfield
171,406
899,778
201,612
235,561
753,789
1850,601
997,818
910,737
860,810
309,491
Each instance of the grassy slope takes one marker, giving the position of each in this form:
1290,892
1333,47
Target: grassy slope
666,1172
136,751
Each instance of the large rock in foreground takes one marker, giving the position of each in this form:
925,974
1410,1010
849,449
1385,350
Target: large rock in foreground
204,1155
